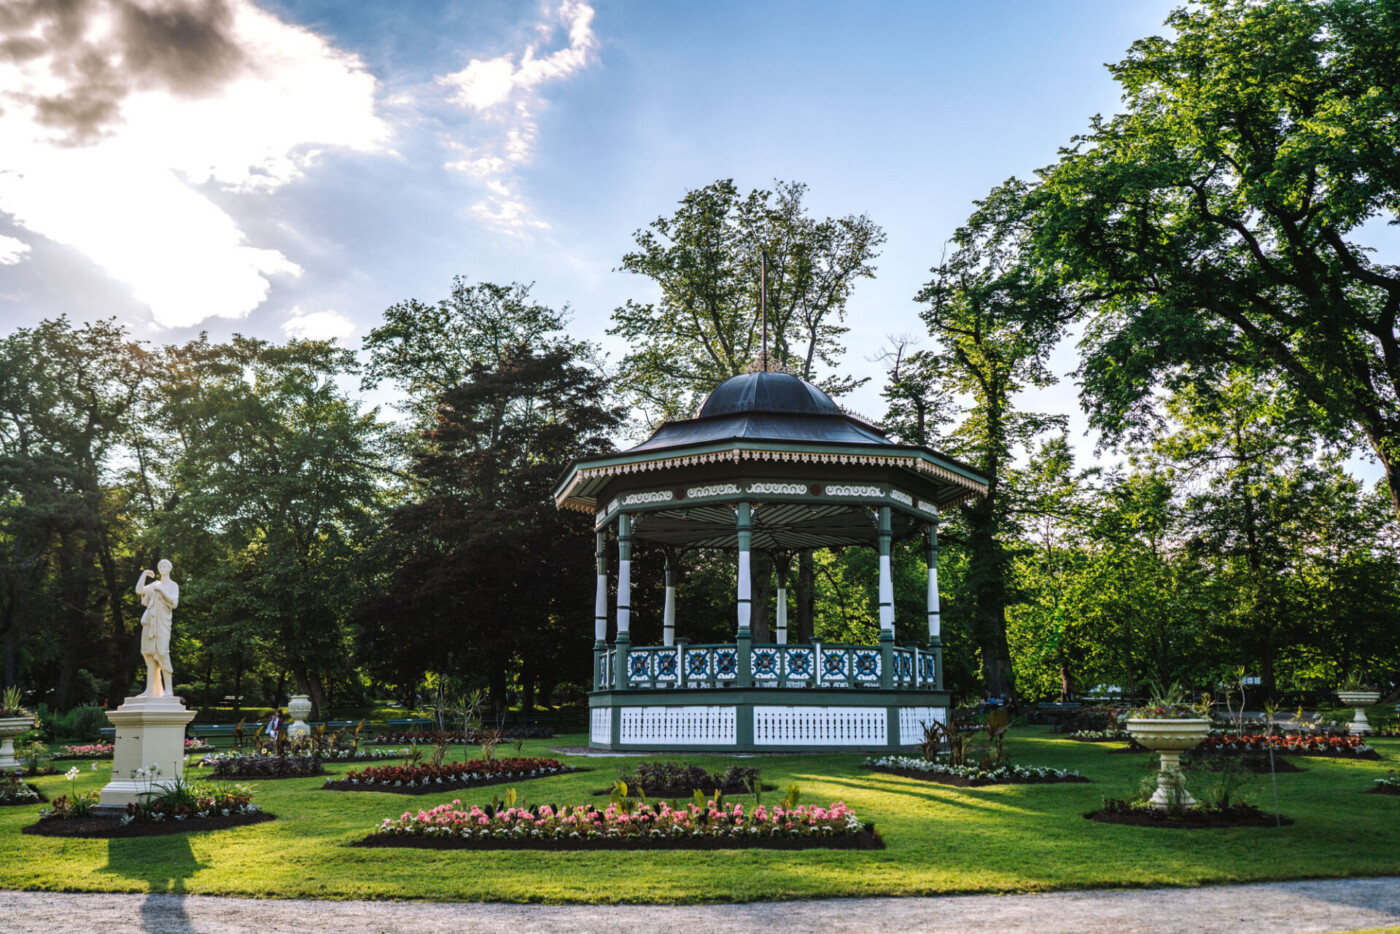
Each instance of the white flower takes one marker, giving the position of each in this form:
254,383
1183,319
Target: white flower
71,773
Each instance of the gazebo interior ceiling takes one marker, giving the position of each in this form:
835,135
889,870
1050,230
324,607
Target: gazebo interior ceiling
776,526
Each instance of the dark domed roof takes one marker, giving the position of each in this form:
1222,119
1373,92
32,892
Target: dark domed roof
767,391
766,405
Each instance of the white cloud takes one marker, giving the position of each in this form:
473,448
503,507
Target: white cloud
505,96
12,250
318,325
113,165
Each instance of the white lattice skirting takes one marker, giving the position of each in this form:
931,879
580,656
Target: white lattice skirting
700,726
819,726
601,732
913,719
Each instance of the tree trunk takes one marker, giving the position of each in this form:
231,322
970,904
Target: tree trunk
986,579
527,687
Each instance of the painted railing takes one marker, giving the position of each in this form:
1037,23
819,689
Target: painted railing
814,666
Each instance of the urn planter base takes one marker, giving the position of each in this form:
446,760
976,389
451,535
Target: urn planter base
1359,701
1170,738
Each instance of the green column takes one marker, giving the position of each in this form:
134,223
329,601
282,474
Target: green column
600,611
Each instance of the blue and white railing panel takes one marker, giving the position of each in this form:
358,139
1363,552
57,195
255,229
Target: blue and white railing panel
814,666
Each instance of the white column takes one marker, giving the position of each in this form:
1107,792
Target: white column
782,614
600,600
886,581
668,618
934,620
624,577
745,530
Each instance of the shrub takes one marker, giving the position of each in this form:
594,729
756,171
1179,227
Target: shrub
81,723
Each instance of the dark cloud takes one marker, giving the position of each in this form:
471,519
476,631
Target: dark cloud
186,47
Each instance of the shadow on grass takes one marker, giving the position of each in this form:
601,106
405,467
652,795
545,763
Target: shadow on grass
163,864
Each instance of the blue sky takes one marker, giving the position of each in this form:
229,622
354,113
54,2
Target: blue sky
339,157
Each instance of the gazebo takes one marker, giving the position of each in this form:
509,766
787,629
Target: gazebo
769,462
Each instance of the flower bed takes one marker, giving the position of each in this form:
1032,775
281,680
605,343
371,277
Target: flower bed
713,826
183,808
1348,747
1101,736
458,737
681,780
90,751
255,766
197,745
1202,816
426,779
969,776
1389,785
13,791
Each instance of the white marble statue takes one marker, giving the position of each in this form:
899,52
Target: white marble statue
160,598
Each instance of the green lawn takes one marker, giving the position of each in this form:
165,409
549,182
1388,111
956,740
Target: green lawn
940,840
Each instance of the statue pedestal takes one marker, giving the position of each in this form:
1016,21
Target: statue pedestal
150,732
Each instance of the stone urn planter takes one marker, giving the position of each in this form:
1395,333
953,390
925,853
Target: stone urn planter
1169,738
1359,701
299,708
10,727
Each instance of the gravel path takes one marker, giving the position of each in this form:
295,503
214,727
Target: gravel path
1278,908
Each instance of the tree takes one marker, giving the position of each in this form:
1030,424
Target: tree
428,349
277,484
68,404
995,318
1220,221
707,327
487,575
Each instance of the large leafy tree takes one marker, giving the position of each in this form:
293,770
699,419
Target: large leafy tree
69,401
994,318
277,483
706,326
1221,220
487,577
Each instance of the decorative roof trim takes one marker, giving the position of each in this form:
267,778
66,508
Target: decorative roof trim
920,464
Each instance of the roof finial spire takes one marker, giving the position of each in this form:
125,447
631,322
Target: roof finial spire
763,300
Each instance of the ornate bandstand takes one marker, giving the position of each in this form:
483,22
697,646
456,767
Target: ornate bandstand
769,463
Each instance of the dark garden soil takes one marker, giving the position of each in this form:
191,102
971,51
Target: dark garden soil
944,778
664,793
112,827
434,788
34,788
1380,789
865,840
1258,763
1196,819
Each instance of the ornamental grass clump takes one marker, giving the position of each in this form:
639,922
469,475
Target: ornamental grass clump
10,703
643,821
1171,703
